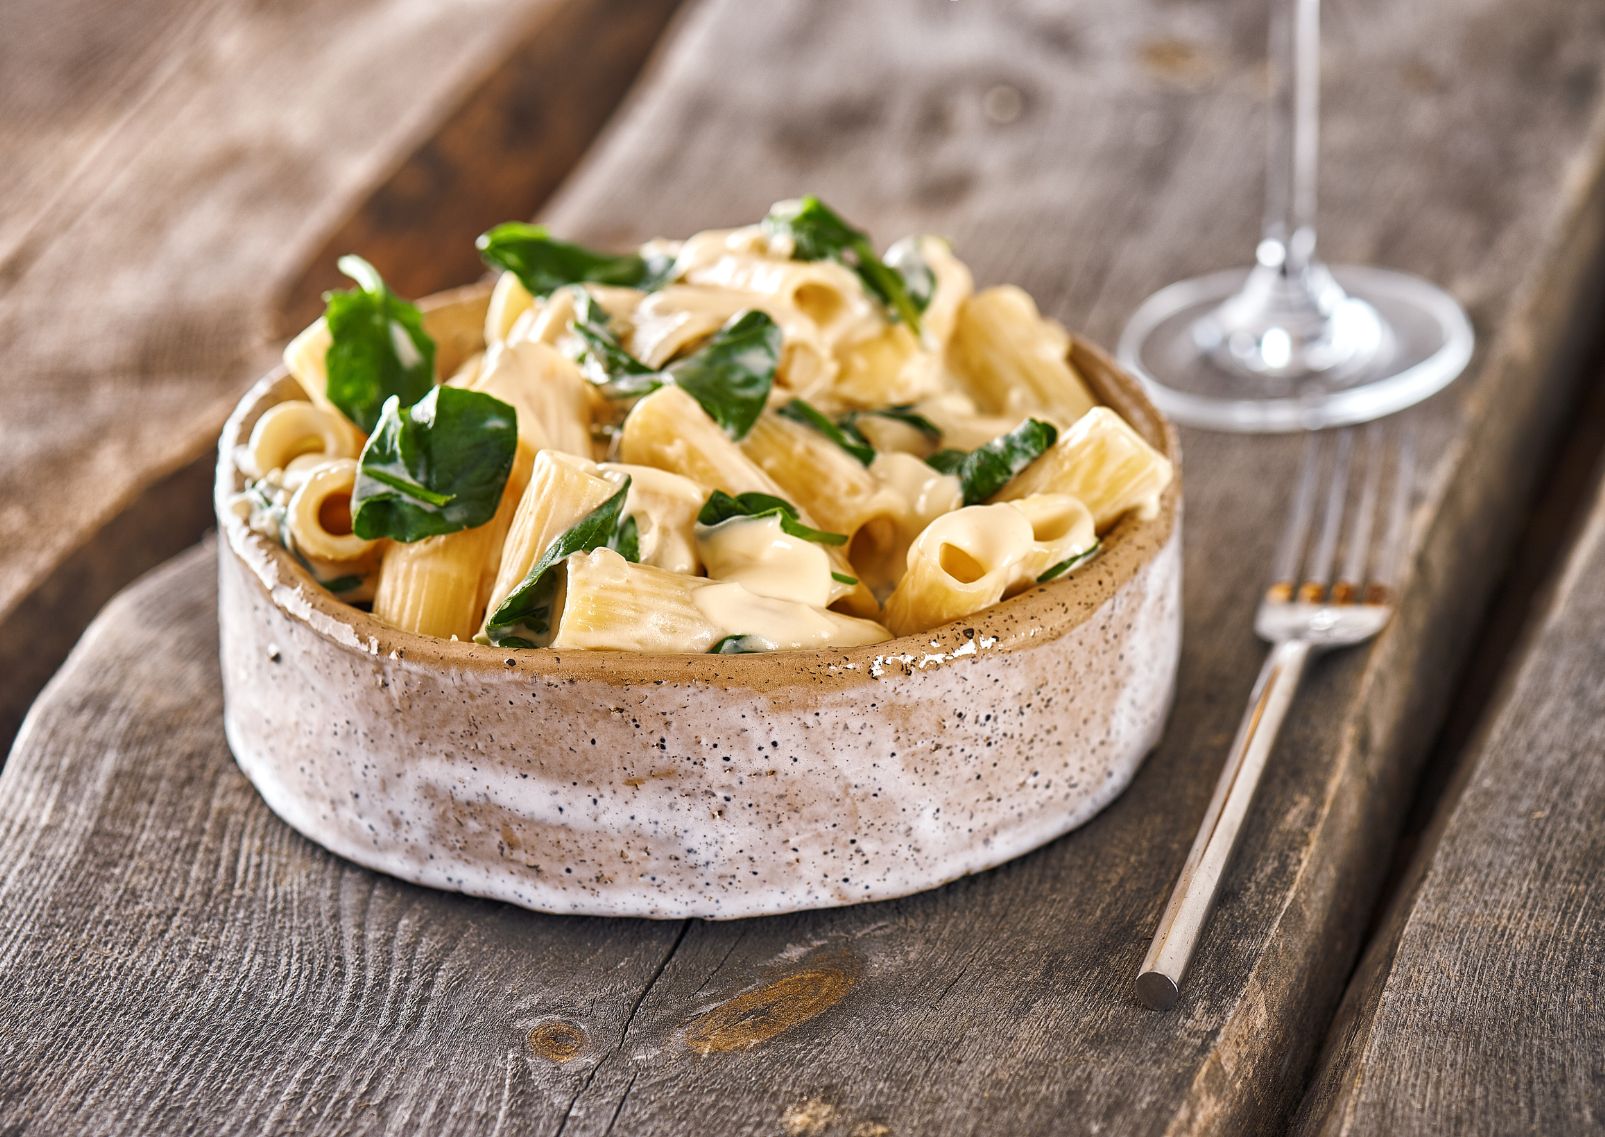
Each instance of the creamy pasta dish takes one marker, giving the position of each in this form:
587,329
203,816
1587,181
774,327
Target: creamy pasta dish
755,439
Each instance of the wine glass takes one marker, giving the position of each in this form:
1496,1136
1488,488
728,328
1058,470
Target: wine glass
1291,343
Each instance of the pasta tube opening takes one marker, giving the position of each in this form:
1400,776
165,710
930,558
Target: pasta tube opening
319,514
293,430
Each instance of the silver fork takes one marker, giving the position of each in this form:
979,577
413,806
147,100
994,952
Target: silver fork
1307,609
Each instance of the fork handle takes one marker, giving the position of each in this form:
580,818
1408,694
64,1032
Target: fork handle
1159,982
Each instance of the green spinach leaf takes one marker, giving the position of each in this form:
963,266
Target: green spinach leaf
267,508
377,347
986,470
947,461
524,619
626,540
721,507
819,233
741,645
846,437
905,259
617,373
903,413
542,263
732,373
1069,563
435,467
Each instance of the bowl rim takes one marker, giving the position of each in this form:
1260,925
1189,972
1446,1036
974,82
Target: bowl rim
1039,614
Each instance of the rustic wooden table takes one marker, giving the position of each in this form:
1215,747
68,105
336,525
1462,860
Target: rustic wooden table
1413,938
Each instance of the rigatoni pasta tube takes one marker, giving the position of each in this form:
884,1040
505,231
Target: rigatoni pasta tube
432,586
665,508
292,430
828,294
319,514
675,319
546,320
562,489
888,435
553,401
438,586
509,300
550,319
817,304
962,425
1102,461
885,370
880,551
1061,529
609,603
669,430
501,525
305,359
973,557
961,563
1013,361
468,373
818,476
953,286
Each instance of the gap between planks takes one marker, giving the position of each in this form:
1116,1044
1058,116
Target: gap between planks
1569,493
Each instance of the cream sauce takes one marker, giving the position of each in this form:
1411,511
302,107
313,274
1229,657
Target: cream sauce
665,507
759,554
782,624
963,426
551,397
988,541
923,495
926,492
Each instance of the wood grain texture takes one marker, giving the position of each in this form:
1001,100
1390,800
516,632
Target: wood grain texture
249,982
1094,155
178,180
1479,1006
1091,155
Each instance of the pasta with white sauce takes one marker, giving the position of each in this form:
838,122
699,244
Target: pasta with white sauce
757,439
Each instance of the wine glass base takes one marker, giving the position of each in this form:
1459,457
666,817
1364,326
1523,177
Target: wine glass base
1425,342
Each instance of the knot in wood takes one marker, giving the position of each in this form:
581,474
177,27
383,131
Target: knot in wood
759,1015
558,1040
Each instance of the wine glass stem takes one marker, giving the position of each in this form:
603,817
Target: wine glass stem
1288,239
1291,321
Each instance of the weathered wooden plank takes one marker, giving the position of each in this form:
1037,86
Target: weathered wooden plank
70,74
1478,1008
247,981
1091,156
178,179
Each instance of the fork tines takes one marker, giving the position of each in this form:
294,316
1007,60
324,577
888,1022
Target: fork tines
1329,553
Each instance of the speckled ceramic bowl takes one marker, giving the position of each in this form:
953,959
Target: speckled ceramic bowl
626,784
